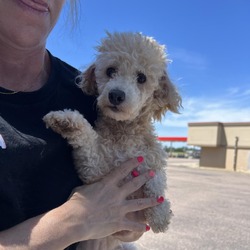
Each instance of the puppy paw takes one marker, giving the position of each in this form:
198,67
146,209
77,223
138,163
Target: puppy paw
159,217
63,122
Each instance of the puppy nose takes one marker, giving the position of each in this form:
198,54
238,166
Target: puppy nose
116,96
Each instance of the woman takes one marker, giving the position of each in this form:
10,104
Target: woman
36,171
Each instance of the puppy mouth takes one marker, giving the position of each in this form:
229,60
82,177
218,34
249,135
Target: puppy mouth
116,112
114,108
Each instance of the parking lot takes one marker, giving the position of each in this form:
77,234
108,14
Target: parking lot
211,210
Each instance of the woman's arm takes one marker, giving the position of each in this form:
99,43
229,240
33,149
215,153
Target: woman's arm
92,212
51,230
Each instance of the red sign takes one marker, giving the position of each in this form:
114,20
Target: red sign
183,139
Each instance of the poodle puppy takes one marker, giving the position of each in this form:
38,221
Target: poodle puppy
132,87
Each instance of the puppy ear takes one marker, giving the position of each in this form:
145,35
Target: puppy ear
88,81
166,97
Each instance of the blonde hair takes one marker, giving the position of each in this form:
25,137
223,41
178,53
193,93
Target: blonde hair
73,16
73,7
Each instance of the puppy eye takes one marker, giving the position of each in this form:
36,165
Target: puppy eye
141,78
110,72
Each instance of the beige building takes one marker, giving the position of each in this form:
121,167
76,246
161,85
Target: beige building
223,145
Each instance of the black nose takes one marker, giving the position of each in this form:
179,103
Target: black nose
116,96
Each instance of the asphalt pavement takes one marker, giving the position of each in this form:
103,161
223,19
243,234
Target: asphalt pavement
211,210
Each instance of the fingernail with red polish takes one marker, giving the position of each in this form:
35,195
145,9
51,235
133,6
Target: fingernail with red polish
147,228
135,173
140,159
151,173
160,199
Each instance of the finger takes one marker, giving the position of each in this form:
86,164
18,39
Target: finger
140,204
127,236
121,172
137,216
136,183
134,226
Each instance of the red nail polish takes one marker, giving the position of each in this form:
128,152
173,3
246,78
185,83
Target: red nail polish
140,159
135,173
151,173
147,228
160,199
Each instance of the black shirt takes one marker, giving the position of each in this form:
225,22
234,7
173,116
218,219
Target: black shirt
36,167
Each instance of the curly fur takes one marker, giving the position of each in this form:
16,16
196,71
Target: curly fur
126,107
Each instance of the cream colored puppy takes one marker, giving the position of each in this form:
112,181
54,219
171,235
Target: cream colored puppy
132,87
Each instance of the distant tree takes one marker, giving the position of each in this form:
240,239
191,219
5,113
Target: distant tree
167,149
180,150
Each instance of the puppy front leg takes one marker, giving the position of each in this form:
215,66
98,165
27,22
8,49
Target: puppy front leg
158,217
72,126
82,137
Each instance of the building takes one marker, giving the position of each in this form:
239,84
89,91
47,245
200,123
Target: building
223,145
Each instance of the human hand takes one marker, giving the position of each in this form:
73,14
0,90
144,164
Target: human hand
100,209
138,216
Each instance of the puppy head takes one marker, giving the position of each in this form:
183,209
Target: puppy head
129,76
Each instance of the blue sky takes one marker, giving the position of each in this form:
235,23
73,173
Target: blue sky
207,41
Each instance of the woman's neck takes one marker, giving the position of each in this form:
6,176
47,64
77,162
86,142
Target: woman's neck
24,71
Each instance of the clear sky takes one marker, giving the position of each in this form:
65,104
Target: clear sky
207,41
